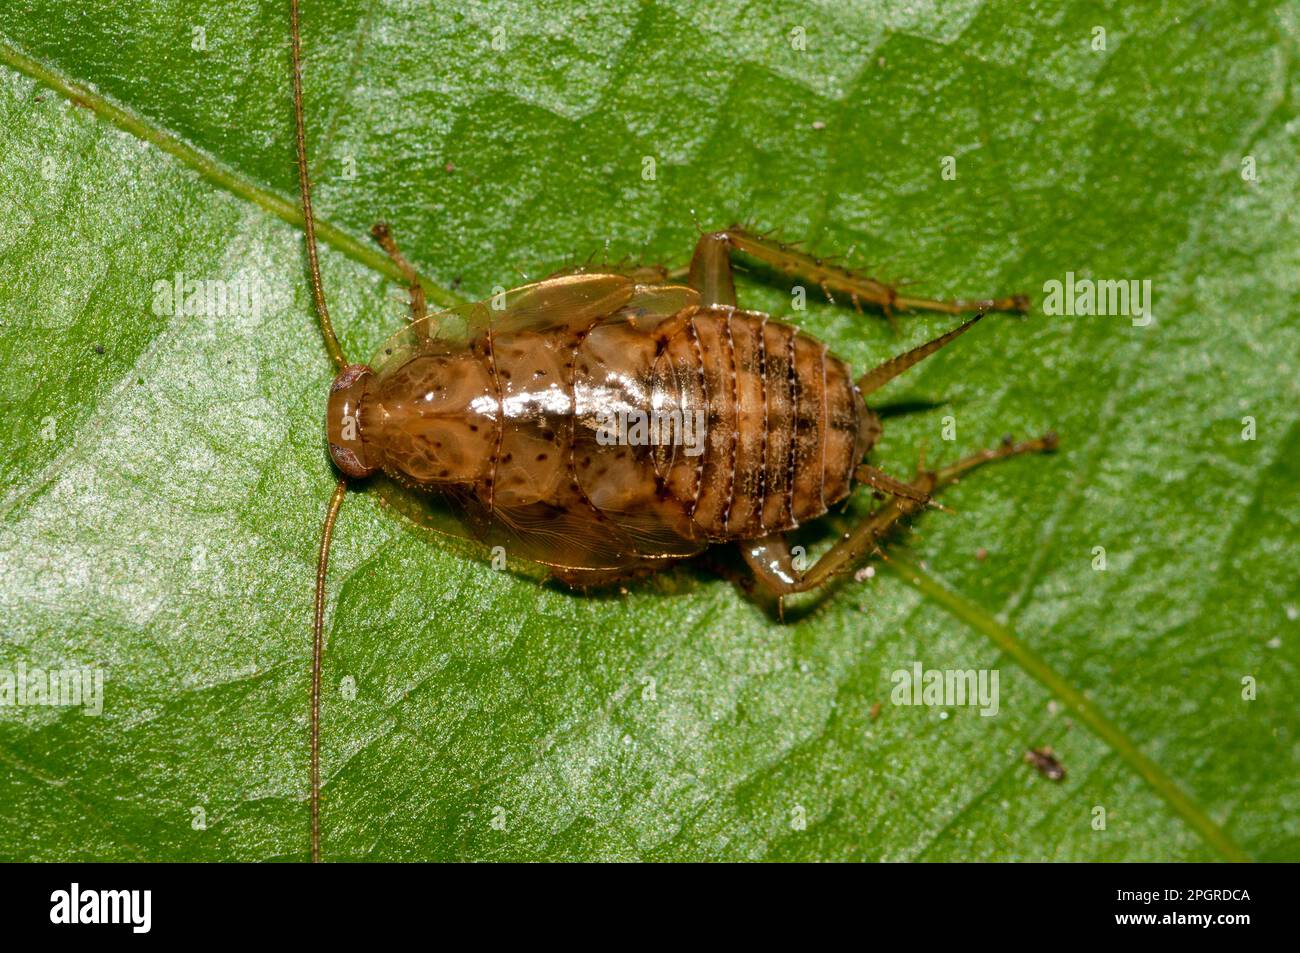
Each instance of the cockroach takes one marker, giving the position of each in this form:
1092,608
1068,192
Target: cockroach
606,422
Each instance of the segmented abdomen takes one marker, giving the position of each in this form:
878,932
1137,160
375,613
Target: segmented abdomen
782,423
638,427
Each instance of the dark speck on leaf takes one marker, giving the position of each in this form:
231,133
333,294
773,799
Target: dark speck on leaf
1046,762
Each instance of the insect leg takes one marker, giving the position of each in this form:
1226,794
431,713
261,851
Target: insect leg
835,280
710,272
864,538
772,563
383,234
882,481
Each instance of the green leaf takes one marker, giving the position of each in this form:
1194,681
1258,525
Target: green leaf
164,477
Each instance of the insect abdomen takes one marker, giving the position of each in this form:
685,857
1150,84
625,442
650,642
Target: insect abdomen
782,423
600,440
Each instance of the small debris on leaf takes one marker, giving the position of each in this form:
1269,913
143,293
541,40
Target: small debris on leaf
1048,765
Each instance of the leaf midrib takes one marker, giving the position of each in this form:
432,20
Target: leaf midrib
957,605
210,168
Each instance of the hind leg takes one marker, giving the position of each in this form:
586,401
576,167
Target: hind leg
770,557
710,274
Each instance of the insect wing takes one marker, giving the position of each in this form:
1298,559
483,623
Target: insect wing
443,513
562,527
568,302
560,536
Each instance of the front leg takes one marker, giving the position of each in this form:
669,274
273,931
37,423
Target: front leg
384,236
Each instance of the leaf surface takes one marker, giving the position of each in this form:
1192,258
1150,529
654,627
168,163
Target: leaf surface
164,477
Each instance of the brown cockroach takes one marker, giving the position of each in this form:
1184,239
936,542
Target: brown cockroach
607,422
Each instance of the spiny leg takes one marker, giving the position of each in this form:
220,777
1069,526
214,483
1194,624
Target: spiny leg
880,480
770,557
384,236
716,287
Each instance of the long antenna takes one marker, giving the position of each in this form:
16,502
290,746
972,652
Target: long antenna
340,488
304,186
317,647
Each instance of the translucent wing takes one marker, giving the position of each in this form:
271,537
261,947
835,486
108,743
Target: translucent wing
570,303
584,337
544,534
